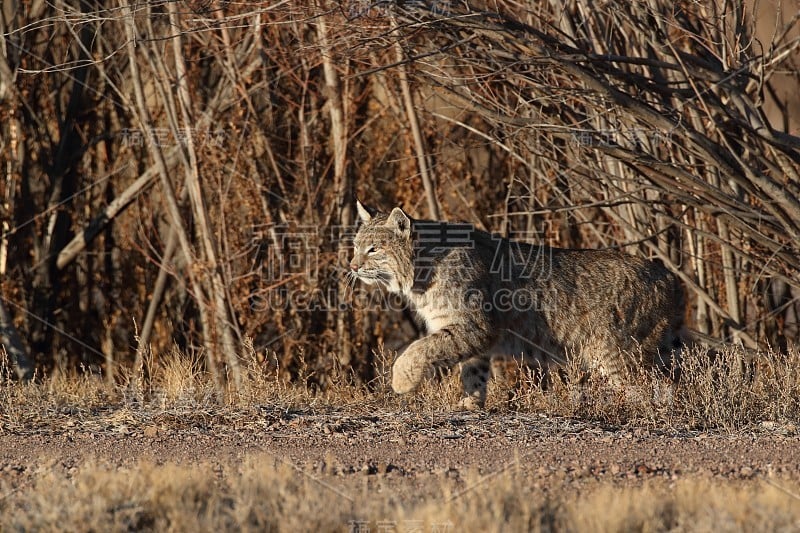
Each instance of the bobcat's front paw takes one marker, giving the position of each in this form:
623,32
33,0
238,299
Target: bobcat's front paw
406,374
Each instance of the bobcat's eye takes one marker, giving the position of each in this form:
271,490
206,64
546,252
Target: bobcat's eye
372,250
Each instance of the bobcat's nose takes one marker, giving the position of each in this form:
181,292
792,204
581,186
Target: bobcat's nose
354,266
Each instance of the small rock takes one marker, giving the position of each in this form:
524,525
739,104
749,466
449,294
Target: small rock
151,432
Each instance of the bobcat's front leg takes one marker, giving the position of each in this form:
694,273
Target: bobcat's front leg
410,368
442,349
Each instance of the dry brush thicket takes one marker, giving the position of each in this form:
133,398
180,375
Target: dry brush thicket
182,174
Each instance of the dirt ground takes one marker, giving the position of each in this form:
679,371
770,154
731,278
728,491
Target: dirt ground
410,454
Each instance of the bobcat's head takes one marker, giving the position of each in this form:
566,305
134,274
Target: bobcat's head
383,249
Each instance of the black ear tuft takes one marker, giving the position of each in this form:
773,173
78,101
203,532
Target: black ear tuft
365,213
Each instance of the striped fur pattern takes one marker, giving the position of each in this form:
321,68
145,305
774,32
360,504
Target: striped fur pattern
481,296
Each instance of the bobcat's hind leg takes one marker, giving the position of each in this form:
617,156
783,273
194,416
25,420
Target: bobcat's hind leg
474,378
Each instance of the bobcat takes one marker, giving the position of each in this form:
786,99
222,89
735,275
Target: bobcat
481,296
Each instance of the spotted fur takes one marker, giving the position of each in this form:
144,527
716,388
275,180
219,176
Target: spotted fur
481,296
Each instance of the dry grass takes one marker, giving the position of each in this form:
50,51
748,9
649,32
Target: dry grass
261,495
725,393
731,391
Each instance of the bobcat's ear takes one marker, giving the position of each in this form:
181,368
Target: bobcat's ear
364,213
400,222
